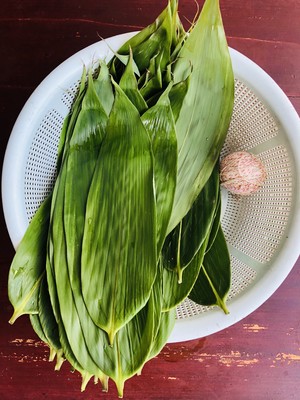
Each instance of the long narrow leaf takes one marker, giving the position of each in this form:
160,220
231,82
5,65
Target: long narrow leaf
157,36
64,242
103,87
184,241
134,342
59,286
120,223
174,292
128,83
160,126
215,226
28,266
89,131
213,282
207,107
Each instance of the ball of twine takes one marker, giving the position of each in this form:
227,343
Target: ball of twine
242,173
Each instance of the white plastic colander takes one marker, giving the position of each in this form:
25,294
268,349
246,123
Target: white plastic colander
262,230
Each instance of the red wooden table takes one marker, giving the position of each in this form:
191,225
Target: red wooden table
257,358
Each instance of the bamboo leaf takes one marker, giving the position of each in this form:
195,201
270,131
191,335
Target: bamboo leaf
120,222
37,327
66,228
154,82
207,107
89,131
47,319
62,298
184,241
159,35
134,341
75,322
103,87
129,85
177,94
215,226
45,326
175,292
70,121
166,326
213,282
160,126
89,344
28,265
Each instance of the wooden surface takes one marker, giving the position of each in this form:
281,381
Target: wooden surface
259,357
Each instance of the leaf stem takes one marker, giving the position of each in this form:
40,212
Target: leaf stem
178,264
220,302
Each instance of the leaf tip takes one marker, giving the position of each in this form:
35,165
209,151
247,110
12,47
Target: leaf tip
223,306
86,376
59,360
15,316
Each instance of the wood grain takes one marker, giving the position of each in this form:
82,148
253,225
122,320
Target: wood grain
257,358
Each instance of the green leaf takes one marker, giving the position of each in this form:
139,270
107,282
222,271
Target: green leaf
134,342
213,282
174,292
160,126
66,229
65,302
103,87
47,319
177,94
207,107
129,85
87,138
37,327
70,121
78,333
167,319
28,265
166,326
184,241
88,344
45,326
215,226
158,36
120,222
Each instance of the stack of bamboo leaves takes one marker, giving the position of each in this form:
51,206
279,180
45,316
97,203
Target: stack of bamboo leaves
132,226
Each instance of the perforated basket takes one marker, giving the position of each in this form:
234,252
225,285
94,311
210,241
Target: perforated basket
262,230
